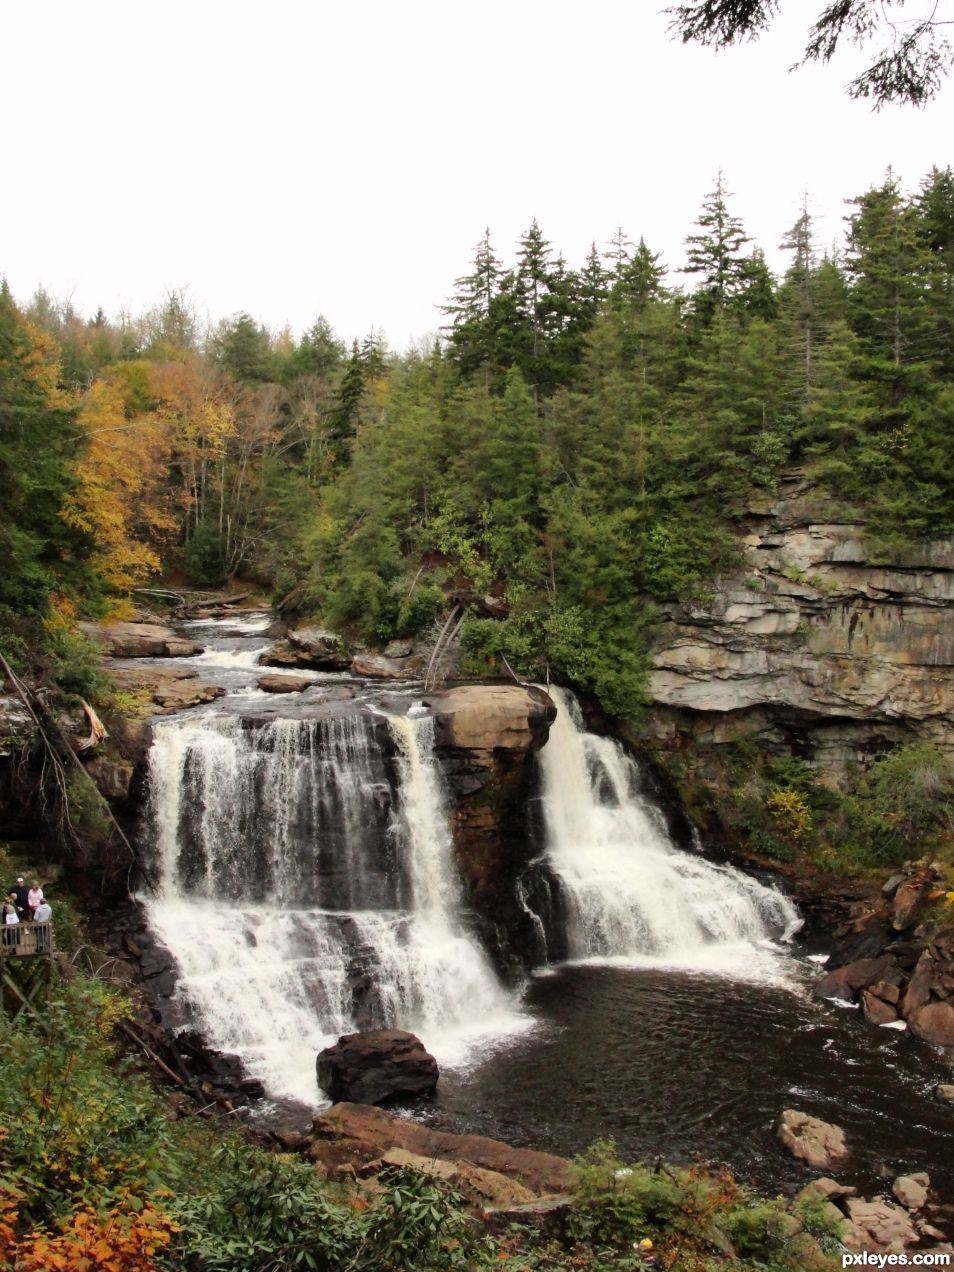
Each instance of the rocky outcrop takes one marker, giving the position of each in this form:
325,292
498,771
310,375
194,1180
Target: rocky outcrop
486,737
378,1065
169,689
484,719
898,970
356,1135
140,640
819,1144
312,647
811,638
879,1225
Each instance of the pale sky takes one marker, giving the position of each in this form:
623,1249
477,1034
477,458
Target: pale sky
299,157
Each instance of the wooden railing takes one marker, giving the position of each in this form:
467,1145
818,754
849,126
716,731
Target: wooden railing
25,940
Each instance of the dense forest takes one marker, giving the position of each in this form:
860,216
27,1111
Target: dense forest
571,449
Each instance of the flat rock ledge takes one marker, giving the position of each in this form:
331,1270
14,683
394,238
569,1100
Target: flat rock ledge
169,689
353,1136
140,640
377,1065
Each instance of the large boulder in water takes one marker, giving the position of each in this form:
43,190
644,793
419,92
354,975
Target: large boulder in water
311,647
371,1067
820,1144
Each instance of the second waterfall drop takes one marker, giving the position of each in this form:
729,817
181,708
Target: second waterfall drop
629,894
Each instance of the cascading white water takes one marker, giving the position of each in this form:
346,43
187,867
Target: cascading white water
629,893
304,897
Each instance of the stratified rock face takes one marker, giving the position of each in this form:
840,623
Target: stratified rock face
811,634
487,737
371,1067
819,1144
140,640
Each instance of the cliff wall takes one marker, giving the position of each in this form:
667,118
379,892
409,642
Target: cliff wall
811,646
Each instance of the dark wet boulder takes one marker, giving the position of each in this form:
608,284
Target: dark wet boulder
934,1023
845,982
371,1067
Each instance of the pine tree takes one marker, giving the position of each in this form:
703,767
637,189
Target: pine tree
715,254
639,280
472,333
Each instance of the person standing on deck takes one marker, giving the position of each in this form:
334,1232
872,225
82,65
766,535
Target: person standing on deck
34,898
11,920
21,893
42,914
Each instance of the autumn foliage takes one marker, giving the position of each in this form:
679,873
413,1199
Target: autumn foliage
117,1241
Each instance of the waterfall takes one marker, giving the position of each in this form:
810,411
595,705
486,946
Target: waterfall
308,888
628,893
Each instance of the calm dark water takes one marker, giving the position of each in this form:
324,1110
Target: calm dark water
692,1066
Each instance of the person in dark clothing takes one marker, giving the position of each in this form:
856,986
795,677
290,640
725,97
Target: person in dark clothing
22,894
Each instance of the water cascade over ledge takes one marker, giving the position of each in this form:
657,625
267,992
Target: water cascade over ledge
308,889
628,894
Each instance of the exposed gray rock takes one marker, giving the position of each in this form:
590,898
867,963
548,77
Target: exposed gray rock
311,647
399,649
16,724
820,1144
810,630
945,1091
113,778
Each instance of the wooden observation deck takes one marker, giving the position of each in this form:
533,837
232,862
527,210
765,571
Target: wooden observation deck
26,967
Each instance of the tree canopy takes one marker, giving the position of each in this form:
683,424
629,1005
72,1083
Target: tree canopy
912,54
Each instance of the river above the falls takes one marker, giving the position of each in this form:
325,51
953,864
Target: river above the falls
688,1051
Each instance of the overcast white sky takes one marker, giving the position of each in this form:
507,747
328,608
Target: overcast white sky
298,157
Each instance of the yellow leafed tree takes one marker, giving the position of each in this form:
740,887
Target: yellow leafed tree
120,499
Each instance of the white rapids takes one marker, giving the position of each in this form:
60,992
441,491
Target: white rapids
629,895
290,874
307,885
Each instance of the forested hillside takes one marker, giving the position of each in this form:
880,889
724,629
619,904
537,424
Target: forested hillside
570,450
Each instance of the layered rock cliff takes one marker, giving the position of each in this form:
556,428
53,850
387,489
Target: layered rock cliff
811,645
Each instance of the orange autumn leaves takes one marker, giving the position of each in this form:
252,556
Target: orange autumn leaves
113,1242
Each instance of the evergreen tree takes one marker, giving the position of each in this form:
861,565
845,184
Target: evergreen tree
319,351
472,334
243,348
638,280
715,254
